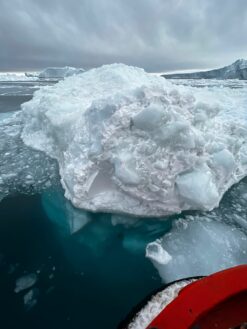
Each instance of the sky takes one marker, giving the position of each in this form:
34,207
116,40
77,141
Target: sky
158,35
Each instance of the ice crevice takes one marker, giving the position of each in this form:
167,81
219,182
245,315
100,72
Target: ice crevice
133,143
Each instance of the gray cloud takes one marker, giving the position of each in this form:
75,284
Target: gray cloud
154,34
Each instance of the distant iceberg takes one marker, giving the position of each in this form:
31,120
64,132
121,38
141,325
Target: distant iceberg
130,142
59,72
237,70
15,76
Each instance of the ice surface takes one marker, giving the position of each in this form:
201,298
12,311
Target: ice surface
198,188
197,247
25,282
130,142
59,72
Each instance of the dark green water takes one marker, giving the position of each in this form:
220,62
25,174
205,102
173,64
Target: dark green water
87,280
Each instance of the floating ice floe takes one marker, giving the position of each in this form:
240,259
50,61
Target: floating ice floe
130,142
197,247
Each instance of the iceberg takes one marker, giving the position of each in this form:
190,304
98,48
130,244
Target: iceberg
129,142
59,72
197,247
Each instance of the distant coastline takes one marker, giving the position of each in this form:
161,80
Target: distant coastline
237,70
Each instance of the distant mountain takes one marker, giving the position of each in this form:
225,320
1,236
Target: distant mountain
237,70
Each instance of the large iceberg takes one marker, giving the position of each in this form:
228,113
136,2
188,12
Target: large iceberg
59,72
130,142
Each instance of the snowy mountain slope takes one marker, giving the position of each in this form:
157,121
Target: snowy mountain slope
237,70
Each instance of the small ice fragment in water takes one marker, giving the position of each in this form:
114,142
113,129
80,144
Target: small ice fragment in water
30,298
156,252
25,282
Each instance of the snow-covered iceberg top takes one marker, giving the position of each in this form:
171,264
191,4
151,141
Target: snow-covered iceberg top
130,142
59,72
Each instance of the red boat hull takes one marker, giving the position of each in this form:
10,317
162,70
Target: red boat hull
217,301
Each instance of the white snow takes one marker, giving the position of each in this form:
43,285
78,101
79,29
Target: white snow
197,247
130,142
59,72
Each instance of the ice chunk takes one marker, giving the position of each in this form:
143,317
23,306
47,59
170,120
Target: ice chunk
125,169
130,142
197,247
197,188
223,161
30,298
25,282
149,118
59,72
157,253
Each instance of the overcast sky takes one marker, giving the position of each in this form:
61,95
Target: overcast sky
158,35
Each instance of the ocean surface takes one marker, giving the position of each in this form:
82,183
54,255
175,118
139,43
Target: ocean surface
85,279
